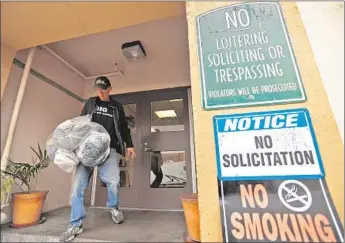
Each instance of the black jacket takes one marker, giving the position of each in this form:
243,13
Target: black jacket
122,133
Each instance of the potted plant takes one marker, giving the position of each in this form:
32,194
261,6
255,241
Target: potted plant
191,213
27,205
6,186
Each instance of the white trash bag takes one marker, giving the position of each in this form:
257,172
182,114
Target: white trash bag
69,134
66,160
51,147
95,149
95,127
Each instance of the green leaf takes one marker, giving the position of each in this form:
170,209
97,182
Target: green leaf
6,185
40,151
38,155
26,172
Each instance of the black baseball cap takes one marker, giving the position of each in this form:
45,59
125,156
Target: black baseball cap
102,82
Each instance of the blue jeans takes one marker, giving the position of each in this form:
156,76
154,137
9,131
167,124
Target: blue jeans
109,173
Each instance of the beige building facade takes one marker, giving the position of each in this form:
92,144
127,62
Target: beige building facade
172,62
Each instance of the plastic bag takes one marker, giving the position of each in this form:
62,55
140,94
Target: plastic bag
66,160
69,134
95,149
95,127
51,147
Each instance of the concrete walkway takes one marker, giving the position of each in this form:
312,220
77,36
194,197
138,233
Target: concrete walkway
139,226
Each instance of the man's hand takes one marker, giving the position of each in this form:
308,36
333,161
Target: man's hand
131,153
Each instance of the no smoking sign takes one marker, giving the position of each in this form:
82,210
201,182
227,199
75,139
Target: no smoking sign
281,211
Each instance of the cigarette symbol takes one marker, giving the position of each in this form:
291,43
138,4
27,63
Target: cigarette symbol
292,190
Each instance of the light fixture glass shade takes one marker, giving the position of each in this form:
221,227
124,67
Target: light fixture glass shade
133,50
165,113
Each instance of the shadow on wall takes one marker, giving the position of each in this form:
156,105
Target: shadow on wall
43,109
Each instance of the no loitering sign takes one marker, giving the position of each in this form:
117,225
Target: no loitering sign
267,145
246,57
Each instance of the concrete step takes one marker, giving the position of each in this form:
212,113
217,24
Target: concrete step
139,226
15,237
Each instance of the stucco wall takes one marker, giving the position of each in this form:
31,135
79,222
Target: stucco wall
43,108
324,24
328,137
166,63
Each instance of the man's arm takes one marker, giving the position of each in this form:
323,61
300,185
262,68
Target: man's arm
85,111
125,131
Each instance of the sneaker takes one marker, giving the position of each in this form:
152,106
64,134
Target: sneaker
71,232
116,215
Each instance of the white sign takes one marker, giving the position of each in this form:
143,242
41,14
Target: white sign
267,145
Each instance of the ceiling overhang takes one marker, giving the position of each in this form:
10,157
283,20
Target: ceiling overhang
28,24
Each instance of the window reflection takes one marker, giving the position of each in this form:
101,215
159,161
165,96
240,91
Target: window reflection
130,111
167,115
127,164
168,169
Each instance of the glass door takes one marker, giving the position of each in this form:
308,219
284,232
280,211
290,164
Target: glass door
161,172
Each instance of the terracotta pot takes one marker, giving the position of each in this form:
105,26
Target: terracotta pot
191,213
27,208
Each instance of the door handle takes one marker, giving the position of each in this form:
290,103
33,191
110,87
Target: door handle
147,149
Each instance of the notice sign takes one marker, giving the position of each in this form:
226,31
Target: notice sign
267,145
279,211
246,57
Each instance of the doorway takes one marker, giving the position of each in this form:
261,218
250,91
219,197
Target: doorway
162,171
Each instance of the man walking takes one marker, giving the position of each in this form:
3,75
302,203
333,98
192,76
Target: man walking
110,114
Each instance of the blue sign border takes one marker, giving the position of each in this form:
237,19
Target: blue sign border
252,178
